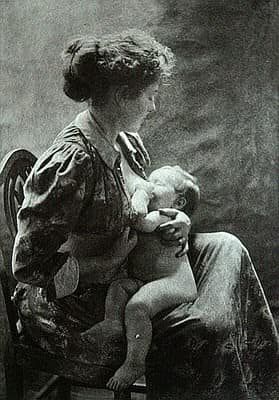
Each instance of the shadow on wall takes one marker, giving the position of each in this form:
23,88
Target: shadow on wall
217,117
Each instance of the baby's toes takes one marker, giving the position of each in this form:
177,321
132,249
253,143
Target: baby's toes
113,385
110,384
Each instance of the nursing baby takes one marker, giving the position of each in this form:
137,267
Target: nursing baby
158,278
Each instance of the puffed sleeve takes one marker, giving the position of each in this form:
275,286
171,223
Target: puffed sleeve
54,195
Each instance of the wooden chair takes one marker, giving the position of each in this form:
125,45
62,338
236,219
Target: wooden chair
20,354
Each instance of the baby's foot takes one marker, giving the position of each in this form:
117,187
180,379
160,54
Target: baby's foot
125,376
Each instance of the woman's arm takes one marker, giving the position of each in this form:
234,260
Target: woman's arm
150,222
54,195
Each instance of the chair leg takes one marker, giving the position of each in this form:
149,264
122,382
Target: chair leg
14,383
47,388
63,390
122,395
13,374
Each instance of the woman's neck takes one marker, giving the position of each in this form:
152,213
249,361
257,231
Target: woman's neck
105,122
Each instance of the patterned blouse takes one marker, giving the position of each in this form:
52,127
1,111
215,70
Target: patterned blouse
75,206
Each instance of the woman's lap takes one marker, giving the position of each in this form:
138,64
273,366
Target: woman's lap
81,310
210,348
205,345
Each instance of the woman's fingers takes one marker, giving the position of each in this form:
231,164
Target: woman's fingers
136,147
172,234
138,164
130,152
168,212
175,239
179,221
184,247
175,232
140,147
182,243
174,224
166,226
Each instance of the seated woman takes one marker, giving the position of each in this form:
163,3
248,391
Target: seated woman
74,239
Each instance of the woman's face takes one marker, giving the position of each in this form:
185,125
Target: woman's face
136,109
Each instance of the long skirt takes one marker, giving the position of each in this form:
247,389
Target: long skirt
222,346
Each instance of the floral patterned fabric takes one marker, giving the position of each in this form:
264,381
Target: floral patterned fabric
74,197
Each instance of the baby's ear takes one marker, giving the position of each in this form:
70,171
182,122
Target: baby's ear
180,203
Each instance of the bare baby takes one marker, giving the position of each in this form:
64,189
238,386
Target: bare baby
158,279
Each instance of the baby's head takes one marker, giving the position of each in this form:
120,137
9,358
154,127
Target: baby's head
176,188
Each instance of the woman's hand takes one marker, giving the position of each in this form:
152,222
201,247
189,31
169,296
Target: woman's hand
137,146
134,151
175,232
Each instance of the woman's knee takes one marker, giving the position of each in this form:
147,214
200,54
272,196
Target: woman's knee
226,240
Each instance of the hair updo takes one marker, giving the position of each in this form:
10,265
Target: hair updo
91,65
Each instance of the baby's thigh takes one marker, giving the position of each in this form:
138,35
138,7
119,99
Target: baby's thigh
159,295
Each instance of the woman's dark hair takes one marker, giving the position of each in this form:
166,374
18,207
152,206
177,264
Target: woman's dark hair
92,65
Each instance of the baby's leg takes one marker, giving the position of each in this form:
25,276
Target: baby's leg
138,334
149,300
119,292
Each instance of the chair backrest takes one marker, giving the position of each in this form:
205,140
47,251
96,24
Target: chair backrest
14,170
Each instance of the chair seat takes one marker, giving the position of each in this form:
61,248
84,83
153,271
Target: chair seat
78,372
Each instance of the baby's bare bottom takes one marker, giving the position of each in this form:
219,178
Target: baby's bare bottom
146,300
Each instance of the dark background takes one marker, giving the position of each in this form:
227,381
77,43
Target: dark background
218,117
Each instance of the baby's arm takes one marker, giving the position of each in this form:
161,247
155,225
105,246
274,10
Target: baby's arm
150,222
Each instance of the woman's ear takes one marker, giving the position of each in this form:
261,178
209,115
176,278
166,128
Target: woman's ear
121,95
180,202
